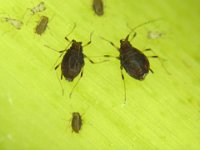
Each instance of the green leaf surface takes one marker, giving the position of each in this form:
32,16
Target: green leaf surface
162,112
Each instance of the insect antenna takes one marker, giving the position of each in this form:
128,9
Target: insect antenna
66,37
111,43
140,25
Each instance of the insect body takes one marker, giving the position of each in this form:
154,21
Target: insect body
41,27
98,7
76,122
73,61
133,60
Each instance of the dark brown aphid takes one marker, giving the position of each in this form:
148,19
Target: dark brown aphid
76,122
98,7
73,63
132,59
42,25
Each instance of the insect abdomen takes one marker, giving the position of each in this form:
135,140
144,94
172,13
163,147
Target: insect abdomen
71,65
135,63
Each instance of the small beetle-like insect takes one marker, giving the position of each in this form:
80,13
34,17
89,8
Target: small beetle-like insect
76,122
42,25
135,63
14,22
72,63
98,7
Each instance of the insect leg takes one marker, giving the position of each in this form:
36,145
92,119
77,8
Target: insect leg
62,51
56,67
60,82
121,68
89,42
151,70
91,61
76,84
155,56
110,56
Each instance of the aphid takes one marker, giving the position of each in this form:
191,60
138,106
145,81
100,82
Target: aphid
135,63
39,8
98,7
154,34
76,122
72,63
14,22
42,25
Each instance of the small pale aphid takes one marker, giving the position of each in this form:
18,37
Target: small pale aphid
98,7
42,25
39,8
154,34
14,22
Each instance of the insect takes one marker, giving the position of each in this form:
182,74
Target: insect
42,25
39,8
76,122
154,34
98,7
36,9
14,22
134,61
72,63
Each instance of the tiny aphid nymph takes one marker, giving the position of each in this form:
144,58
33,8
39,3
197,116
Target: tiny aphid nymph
42,25
76,122
98,7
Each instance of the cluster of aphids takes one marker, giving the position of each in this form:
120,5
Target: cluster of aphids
41,26
134,61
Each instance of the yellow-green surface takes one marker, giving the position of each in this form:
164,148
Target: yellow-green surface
162,112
